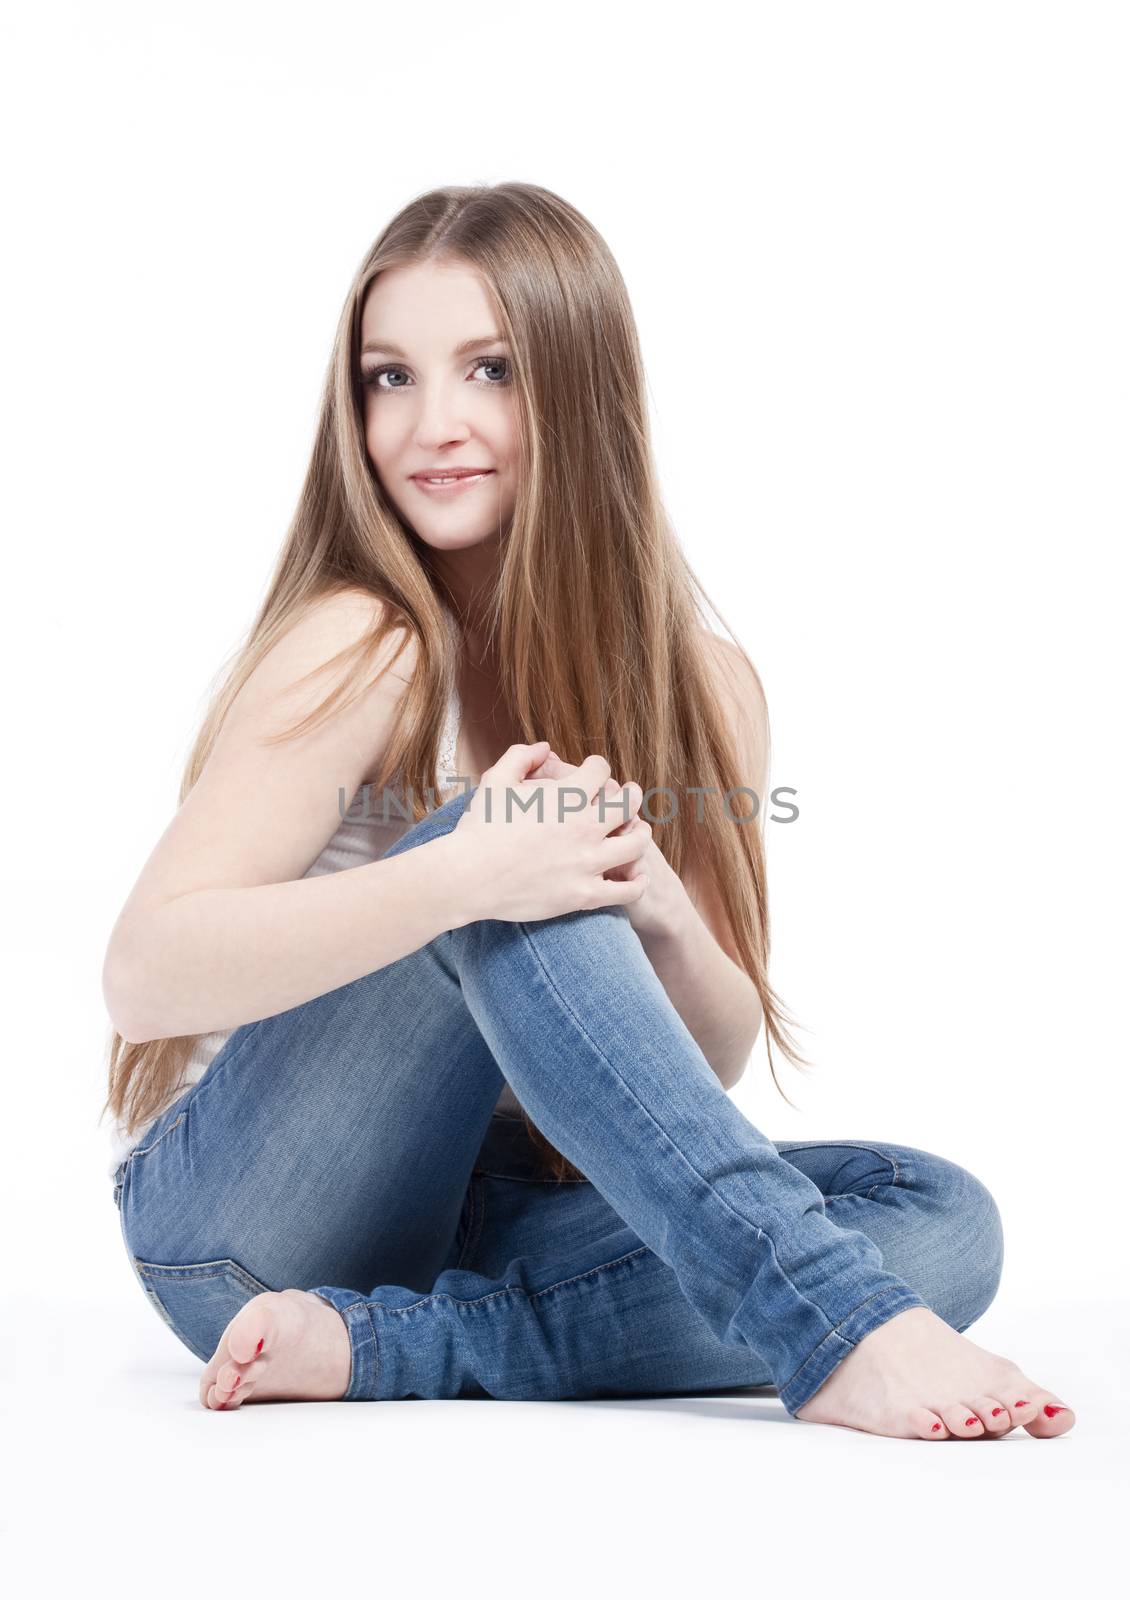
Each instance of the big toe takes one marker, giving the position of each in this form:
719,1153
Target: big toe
1048,1416
242,1341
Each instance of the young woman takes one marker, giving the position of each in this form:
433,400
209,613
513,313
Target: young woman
419,1099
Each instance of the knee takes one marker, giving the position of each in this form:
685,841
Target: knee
439,821
986,1245
969,1253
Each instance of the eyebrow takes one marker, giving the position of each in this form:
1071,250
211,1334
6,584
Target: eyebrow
464,349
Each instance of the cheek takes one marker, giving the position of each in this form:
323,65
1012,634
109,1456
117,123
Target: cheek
508,430
379,437
385,450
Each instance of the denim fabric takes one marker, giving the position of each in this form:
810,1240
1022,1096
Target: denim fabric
350,1146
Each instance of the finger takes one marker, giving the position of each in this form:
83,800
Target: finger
623,847
614,893
591,776
619,804
630,870
515,763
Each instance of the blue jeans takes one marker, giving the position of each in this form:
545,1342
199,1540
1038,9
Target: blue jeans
352,1142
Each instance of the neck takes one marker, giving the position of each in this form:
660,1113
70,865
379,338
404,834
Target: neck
469,581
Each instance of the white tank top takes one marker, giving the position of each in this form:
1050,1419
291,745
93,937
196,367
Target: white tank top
358,840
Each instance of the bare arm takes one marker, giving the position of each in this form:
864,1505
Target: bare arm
221,928
694,954
713,995
217,958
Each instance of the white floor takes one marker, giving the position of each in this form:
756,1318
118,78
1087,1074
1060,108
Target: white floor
122,1483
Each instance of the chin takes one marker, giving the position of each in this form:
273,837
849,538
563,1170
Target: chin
458,538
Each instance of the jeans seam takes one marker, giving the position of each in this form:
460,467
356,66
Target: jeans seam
374,1346
833,1333
144,1150
211,1071
745,1221
896,1177
189,1092
603,1267
477,1199
895,1181
199,1272
507,1289
515,1177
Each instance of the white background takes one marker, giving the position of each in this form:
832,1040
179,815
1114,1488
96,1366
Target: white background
878,257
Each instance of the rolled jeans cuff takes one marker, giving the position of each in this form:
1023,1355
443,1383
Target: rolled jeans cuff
842,1339
364,1372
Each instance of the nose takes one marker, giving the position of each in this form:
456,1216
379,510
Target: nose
441,418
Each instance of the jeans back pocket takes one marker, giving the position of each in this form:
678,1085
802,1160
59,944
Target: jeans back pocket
198,1300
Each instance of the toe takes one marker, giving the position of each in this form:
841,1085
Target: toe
237,1384
992,1412
220,1399
1020,1405
1046,1416
251,1329
212,1371
246,1336
962,1422
927,1424
228,1382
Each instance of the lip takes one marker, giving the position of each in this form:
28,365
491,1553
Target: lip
453,472
465,480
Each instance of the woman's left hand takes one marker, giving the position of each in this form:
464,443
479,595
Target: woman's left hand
658,911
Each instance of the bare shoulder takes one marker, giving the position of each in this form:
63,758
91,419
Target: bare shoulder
742,702
742,696
734,672
269,761
298,669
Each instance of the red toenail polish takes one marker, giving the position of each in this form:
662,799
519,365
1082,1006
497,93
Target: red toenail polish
1022,1402
258,1347
1053,1411
997,1410
935,1428
969,1421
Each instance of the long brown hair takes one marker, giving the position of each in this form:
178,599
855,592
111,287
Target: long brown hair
590,556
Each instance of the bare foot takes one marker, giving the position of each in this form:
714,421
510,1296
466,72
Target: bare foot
292,1345
914,1377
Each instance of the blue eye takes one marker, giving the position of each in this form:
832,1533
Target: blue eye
496,361
371,379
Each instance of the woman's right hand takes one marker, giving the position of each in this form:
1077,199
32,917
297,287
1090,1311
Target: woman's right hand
550,859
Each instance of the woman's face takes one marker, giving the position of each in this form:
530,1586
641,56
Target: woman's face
438,397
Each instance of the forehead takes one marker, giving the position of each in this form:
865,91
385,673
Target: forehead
429,307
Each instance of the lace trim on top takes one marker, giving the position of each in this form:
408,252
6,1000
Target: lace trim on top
445,757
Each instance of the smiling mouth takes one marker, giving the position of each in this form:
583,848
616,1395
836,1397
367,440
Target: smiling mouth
448,477
451,482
